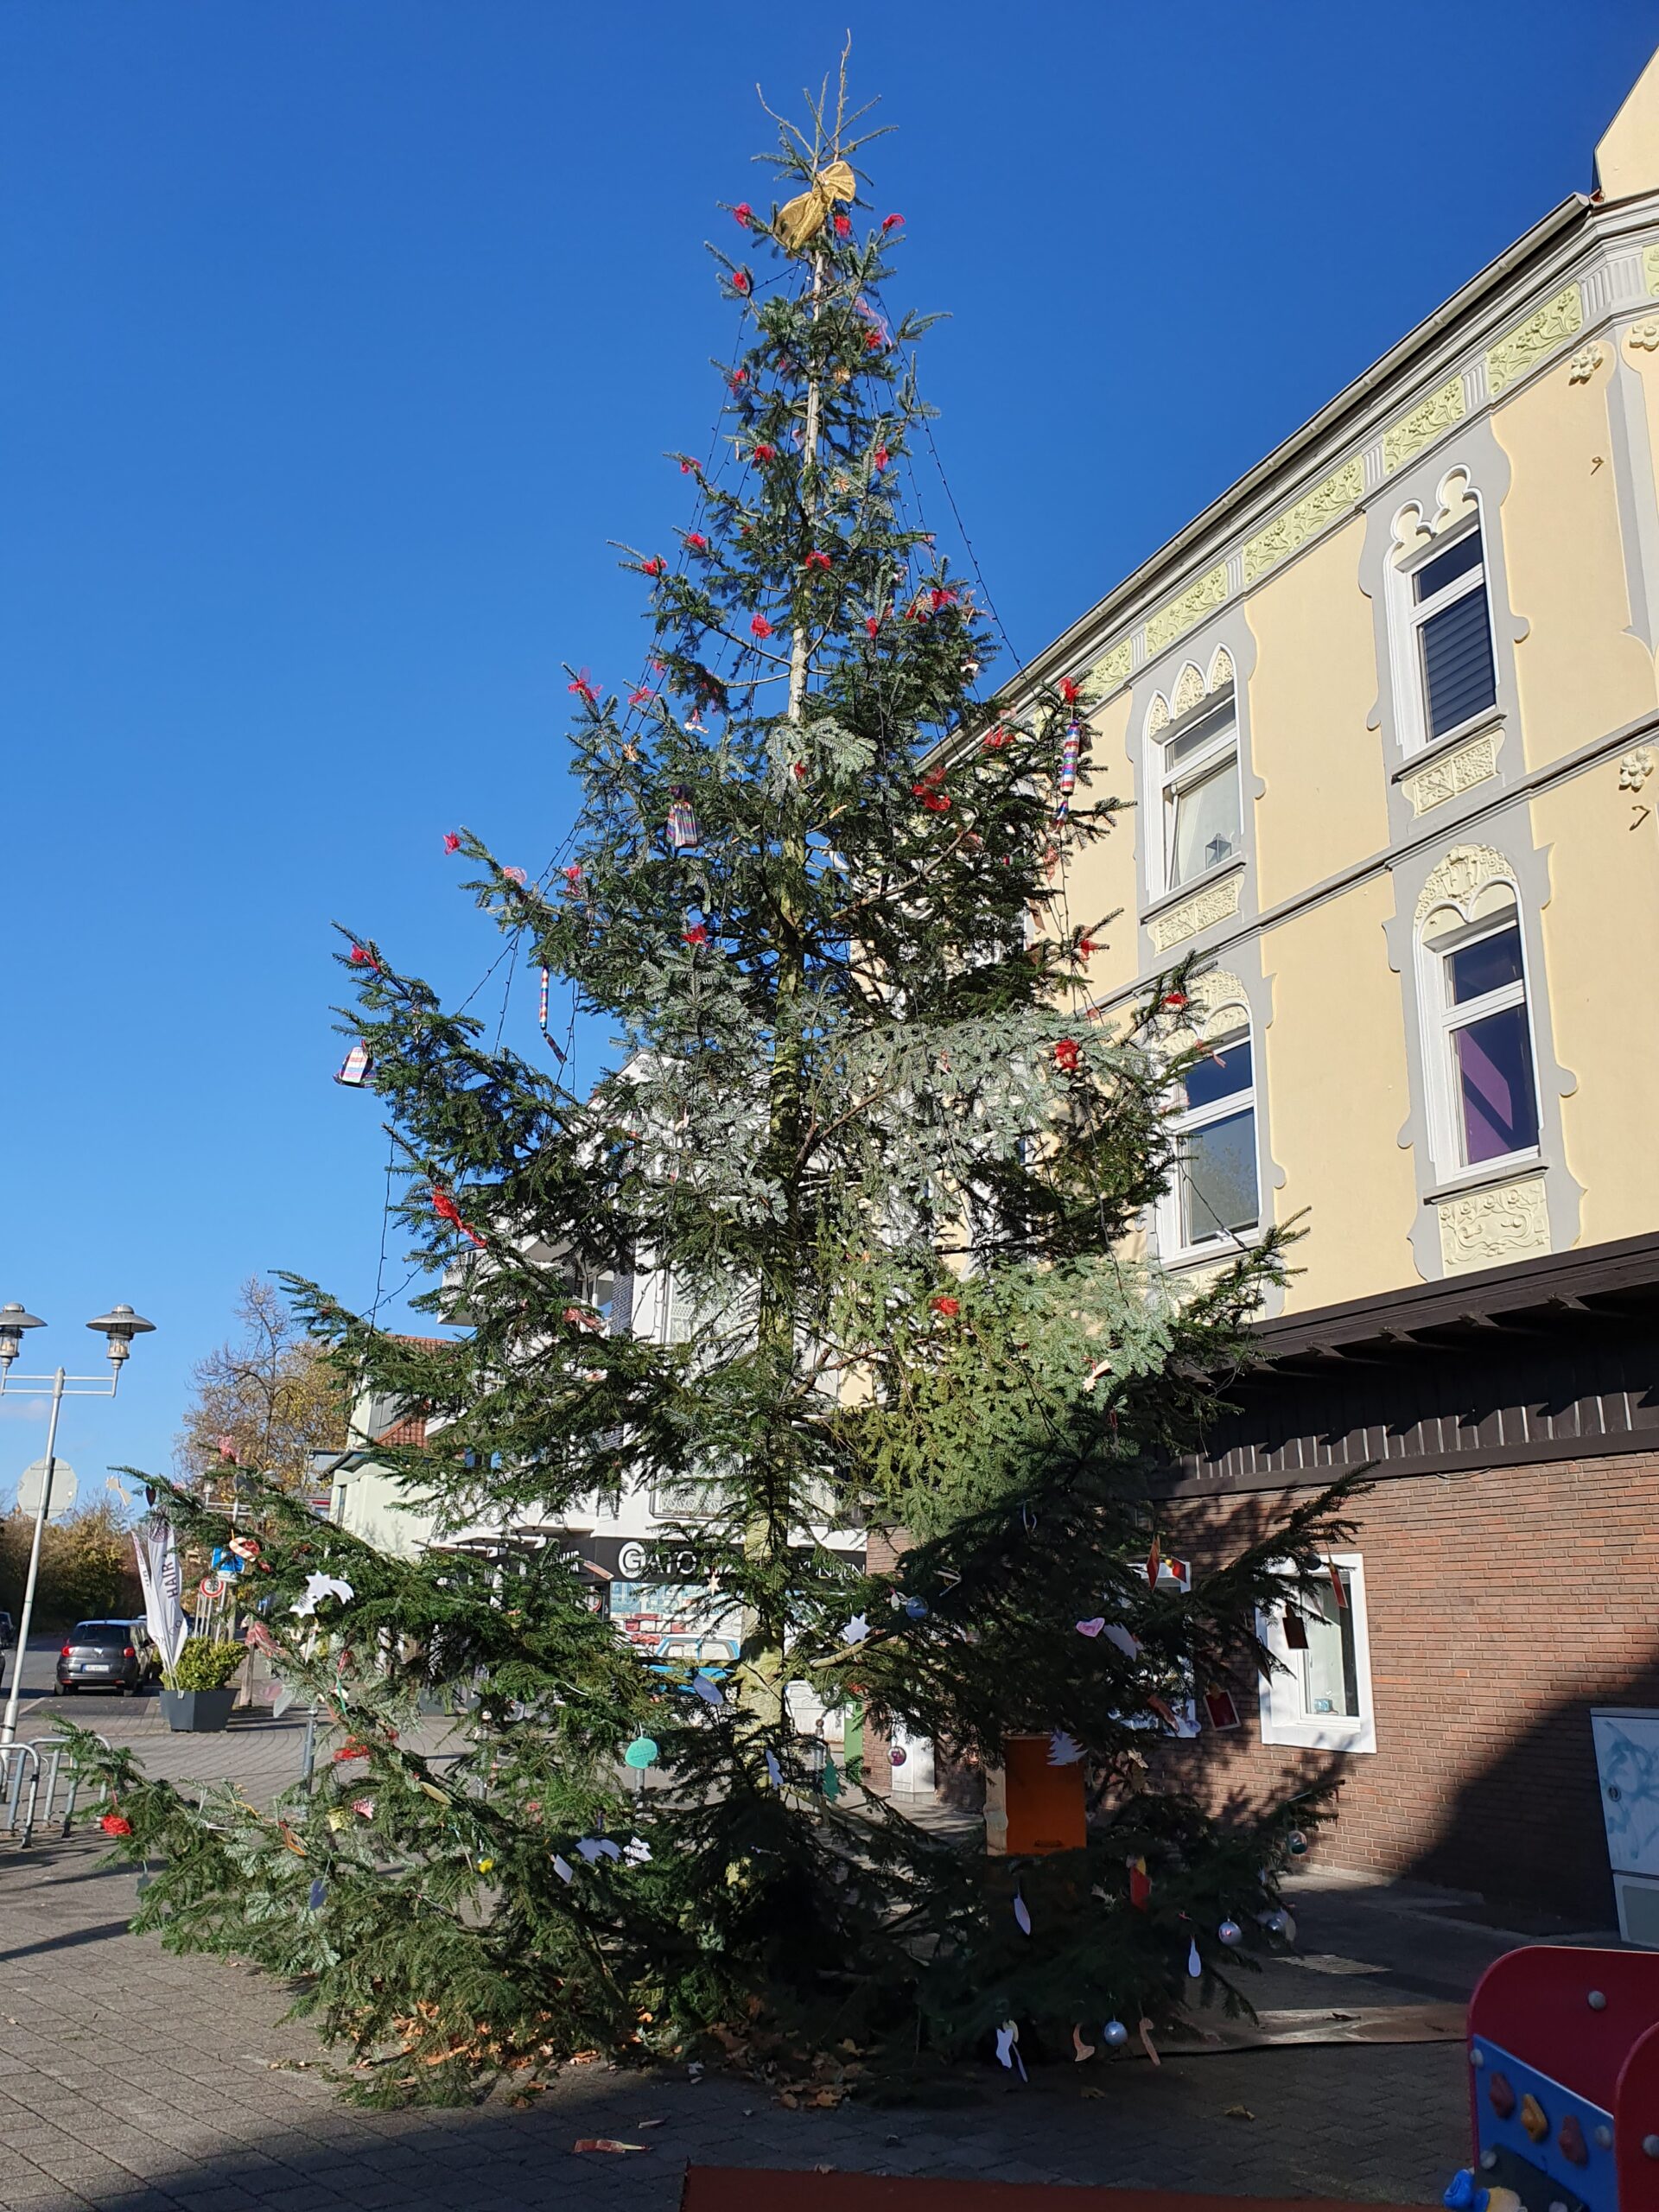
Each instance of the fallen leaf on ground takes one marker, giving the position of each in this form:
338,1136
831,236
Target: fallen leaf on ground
649,2123
1238,2112
607,2143
1094,2093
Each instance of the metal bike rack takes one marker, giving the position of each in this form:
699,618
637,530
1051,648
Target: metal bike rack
39,1784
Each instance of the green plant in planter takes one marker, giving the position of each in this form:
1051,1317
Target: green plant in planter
204,1665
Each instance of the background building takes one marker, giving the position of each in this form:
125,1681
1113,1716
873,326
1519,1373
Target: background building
1388,710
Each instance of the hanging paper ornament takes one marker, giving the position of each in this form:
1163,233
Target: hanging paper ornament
1114,2035
638,1852
1143,2028
1221,1710
1139,1885
1069,749
1063,1750
682,832
451,842
317,1587
1116,1633
774,1772
1093,1627
116,1824
640,1752
595,1848
1021,1914
1295,1843
445,1209
1153,1559
1340,1594
1194,1963
1295,1629
1007,2048
562,1868
1080,2050
706,1689
357,1067
557,1050
1229,1933
830,1780
855,1630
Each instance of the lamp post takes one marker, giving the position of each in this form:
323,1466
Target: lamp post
118,1326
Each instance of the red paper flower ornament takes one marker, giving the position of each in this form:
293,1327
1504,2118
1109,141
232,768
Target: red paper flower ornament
1069,690
116,1824
759,627
1176,999
695,935
843,226
583,689
873,342
360,958
881,456
1068,1055
871,623
764,452
742,281
654,567
445,1209
451,842
642,697
743,213
950,1307
697,541
891,222
817,560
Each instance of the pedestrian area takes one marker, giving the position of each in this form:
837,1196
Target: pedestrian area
131,2081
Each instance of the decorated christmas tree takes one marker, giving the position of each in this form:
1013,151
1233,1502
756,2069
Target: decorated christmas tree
816,892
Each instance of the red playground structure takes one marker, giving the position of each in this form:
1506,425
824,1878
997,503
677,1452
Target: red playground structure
1564,2084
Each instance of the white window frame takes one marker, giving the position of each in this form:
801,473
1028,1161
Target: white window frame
1282,1718
1173,1248
1411,679
1173,779
1441,1021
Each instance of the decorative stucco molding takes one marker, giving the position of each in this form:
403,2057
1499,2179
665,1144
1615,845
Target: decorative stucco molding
1540,334
1113,668
1423,425
1642,337
1217,902
1455,773
1483,1229
1157,715
1298,523
1465,870
1189,690
1217,1002
1221,670
1650,269
1455,502
1584,363
1195,603
1636,767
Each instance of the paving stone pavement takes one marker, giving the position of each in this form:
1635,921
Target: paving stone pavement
134,2082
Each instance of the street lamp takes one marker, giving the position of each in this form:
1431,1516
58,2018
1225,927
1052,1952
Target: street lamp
119,1327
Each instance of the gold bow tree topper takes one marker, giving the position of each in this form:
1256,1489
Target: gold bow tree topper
800,220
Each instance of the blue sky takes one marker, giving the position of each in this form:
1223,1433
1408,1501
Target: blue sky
344,333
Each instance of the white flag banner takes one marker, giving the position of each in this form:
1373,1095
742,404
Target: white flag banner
160,1573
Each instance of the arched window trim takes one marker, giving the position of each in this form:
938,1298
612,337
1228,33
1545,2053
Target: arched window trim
1442,1017
1458,511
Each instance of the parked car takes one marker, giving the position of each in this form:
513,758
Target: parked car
105,1655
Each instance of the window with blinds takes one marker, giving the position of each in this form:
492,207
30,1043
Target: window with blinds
1454,636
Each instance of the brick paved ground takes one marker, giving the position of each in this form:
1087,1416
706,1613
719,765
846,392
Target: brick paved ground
134,2082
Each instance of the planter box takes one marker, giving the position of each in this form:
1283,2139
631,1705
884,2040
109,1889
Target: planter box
197,1712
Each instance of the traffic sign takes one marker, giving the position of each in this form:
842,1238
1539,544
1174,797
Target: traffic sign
32,1481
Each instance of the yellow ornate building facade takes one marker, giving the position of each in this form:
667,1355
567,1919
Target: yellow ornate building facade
1389,711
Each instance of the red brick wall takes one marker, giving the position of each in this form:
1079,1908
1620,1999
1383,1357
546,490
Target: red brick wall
1502,1606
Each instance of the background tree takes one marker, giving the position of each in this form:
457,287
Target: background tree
87,1571
891,1167
271,1390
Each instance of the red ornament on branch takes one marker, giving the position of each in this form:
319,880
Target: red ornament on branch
445,1209
451,842
871,623
1068,1055
362,959
695,935
743,213
843,226
891,223
1175,999
697,541
949,1307
873,342
583,689
742,282
764,452
654,567
759,627
1069,690
642,697
881,457
817,560
116,1824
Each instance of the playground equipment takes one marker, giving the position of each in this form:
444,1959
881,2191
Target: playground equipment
1564,2084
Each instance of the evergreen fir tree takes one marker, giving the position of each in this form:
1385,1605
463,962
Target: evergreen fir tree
818,890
